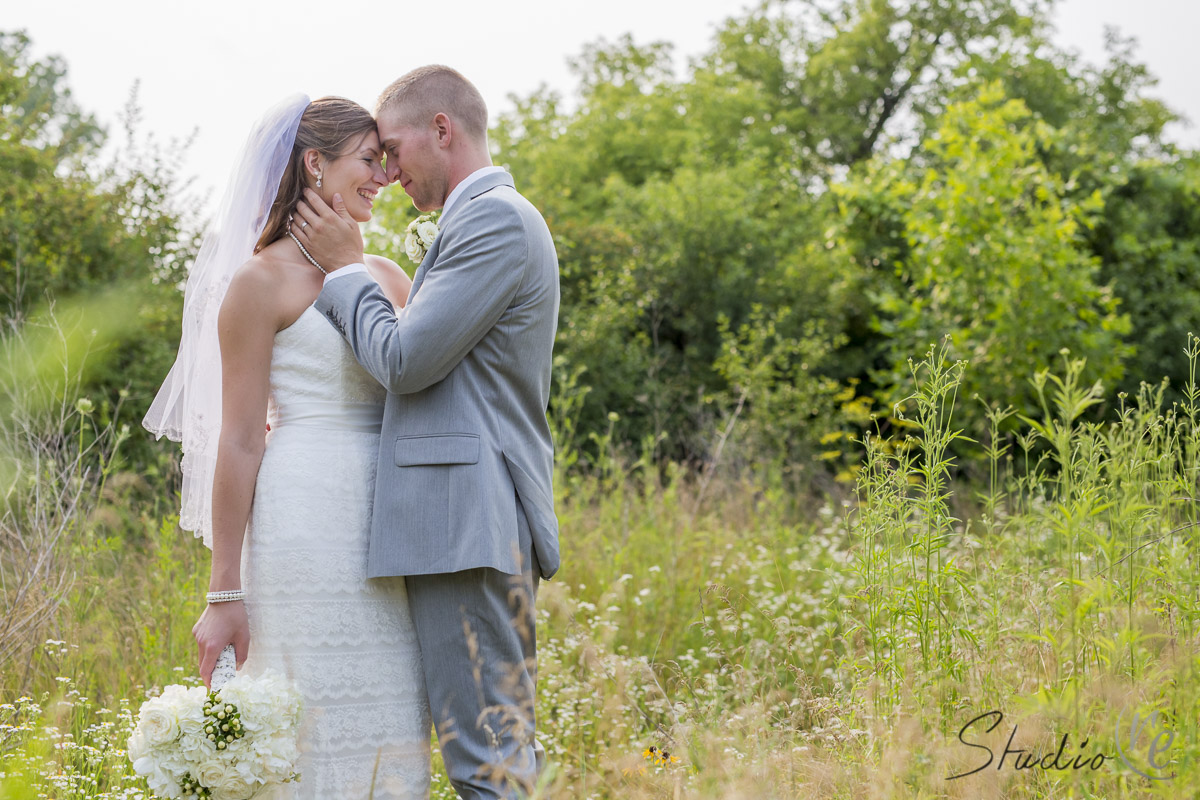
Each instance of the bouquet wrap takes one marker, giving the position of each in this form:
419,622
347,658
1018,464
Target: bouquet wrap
226,669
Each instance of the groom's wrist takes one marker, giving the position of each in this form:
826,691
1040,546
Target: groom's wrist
348,269
344,259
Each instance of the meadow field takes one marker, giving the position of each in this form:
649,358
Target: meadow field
1028,634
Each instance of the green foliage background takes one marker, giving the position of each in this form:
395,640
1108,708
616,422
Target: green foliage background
832,188
752,250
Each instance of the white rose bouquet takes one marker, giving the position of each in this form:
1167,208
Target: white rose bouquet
419,237
227,744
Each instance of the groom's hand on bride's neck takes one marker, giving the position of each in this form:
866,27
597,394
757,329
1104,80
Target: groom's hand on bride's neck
330,235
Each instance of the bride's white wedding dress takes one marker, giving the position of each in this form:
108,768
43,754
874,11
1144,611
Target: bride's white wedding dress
347,641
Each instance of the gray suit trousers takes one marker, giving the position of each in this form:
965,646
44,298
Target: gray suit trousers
484,713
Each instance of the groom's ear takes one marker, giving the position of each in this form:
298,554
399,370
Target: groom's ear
443,128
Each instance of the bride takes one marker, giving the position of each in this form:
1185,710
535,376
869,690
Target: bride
288,514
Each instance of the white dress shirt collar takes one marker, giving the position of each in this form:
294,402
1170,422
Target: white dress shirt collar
464,183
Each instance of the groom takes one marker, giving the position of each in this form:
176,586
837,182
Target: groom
463,500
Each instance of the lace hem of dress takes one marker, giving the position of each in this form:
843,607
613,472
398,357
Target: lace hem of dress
342,729
386,777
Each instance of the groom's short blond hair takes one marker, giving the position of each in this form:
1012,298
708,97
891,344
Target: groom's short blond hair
427,91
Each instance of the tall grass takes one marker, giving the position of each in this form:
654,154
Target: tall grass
762,653
56,455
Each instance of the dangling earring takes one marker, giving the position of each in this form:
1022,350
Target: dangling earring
318,180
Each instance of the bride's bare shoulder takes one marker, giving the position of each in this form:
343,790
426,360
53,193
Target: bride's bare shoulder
259,288
256,274
390,276
267,264
277,267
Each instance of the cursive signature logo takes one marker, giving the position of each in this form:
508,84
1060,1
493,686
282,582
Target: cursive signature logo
1024,759
1158,745
1143,745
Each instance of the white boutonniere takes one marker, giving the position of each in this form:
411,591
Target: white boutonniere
419,237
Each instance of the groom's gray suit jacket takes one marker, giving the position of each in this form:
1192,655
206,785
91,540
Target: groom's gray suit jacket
467,366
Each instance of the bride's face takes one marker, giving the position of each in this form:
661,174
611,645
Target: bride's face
357,176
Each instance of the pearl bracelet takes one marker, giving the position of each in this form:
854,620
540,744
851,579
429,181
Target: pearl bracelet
226,596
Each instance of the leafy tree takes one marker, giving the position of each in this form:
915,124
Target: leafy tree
1109,140
827,84
1103,113
72,223
1148,242
695,218
996,260
51,227
628,124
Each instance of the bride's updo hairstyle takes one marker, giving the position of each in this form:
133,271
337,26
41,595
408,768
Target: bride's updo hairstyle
331,126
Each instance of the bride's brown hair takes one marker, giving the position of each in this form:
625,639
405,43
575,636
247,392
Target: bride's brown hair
330,125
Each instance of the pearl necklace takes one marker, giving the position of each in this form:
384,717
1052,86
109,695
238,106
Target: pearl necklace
307,255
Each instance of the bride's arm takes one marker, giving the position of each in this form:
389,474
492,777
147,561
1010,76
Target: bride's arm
246,326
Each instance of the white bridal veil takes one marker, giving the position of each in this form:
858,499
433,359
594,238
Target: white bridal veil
187,408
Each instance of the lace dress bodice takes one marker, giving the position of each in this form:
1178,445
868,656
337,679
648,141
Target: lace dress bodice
316,381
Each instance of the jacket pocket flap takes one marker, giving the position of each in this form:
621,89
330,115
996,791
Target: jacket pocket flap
445,448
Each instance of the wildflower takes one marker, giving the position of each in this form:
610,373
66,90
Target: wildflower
659,758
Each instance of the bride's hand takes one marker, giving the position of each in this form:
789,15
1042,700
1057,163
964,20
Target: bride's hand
219,625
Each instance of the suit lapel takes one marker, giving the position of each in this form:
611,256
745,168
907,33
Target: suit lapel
481,186
426,263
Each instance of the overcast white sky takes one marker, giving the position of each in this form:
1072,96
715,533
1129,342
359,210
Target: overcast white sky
214,66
